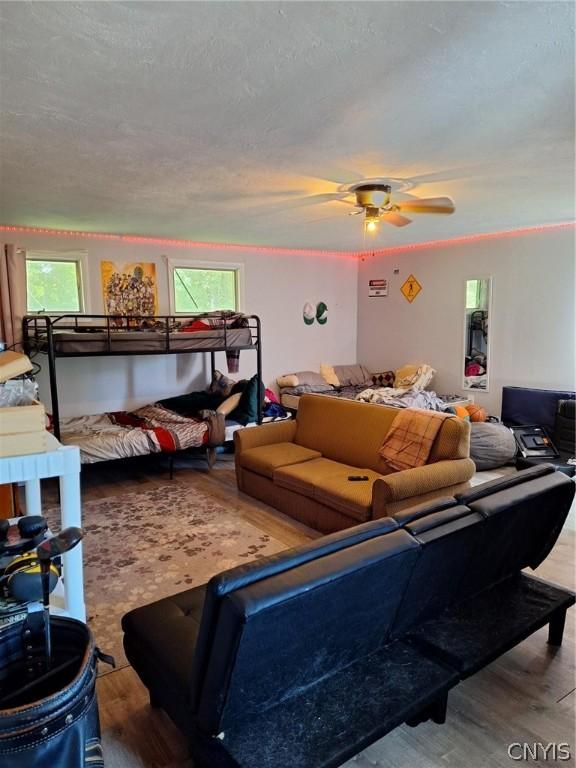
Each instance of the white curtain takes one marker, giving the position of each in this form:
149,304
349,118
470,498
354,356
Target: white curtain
12,294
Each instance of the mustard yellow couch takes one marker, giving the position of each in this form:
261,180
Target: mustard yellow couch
301,467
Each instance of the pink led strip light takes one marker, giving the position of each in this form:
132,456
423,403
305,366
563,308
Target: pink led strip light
176,243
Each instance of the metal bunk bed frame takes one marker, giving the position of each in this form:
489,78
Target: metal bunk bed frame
39,332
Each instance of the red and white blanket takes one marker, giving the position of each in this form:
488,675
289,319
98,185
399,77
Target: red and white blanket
120,435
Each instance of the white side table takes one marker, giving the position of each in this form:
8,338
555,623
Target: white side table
62,461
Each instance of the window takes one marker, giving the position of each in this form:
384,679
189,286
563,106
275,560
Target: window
53,283
201,289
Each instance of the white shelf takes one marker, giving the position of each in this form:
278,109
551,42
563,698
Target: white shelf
62,461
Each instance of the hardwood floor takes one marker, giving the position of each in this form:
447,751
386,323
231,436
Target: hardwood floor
525,696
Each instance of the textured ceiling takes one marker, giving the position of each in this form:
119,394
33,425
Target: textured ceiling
217,120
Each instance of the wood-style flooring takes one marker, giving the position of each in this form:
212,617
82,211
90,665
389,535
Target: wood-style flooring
525,696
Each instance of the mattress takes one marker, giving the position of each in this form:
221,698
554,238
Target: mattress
100,438
290,401
345,393
381,396
72,343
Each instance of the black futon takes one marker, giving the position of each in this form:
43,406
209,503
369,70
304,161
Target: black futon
303,659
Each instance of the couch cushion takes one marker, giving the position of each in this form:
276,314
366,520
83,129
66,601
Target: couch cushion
284,633
352,498
165,633
409,514
266,458
503,483
304,477
343,430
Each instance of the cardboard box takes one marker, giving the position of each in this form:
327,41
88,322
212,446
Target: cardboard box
22,430
13,364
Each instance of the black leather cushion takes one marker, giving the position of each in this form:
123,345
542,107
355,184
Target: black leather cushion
475,632
558,464
327,723
405,516
522,524
565,428
502,483
448,539
243,575
278,635
159,640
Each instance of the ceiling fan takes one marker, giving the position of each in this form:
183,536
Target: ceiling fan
374,200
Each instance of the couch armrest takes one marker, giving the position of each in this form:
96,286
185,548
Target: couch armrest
416,482
265,434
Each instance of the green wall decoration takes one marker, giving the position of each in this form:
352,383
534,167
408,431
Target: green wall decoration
322,313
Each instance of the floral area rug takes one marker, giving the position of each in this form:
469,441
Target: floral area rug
143,546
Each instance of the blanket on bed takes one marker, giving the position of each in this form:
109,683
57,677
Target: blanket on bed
121,435
220,319
410,438
402,398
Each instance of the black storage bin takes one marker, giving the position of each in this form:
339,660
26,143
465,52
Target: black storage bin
49,719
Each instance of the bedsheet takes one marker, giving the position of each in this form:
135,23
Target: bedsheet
402,398
121,435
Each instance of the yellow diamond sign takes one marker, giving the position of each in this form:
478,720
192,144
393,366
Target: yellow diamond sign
411,288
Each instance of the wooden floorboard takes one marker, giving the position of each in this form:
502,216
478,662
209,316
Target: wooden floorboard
525,696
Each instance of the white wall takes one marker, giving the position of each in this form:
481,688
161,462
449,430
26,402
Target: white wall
532,332
276,287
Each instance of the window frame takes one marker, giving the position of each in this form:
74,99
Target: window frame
216,266
79,258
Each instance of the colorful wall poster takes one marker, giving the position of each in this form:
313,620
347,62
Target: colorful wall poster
129,289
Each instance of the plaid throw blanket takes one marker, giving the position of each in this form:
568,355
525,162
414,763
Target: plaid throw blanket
411,436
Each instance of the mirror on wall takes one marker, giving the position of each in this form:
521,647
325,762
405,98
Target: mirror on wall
477,334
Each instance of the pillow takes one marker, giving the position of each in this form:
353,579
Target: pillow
414,377
403,377
306,389
229,404
221,384
384,379
299,378
352,375
329,375
247,409
288,380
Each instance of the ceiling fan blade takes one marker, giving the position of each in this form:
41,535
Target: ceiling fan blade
346,202
427,205
356,213
301,202
396,219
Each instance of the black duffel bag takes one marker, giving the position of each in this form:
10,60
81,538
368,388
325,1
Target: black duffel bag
49,717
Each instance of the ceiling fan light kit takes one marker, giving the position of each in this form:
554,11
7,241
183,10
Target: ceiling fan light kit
374,199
